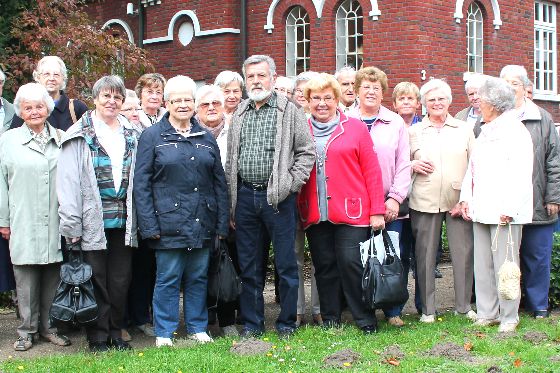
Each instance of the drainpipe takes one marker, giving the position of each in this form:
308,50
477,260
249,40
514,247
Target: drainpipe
243,30
140,24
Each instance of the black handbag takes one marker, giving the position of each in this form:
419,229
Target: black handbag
224,285
384,284
74,300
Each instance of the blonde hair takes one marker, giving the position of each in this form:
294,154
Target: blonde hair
406,88
373,74
322,81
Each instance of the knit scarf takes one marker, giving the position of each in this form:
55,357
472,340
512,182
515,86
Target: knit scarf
215,131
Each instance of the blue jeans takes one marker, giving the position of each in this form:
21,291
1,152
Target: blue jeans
255,220
406,244
535,254
188,267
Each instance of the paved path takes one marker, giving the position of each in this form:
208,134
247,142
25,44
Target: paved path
8,322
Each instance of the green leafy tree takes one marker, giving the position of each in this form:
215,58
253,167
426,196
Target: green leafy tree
61,28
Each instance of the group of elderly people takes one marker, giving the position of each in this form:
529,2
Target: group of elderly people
139,183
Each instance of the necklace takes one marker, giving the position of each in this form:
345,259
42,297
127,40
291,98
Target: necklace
183,130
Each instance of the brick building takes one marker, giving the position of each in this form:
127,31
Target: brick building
410,40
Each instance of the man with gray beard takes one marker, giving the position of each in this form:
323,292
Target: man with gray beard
270,156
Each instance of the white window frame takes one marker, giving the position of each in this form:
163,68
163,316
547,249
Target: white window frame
546,75
475,39
350,11
297,48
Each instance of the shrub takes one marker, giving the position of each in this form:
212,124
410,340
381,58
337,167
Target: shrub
554,293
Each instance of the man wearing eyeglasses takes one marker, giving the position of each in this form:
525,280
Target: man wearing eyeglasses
51,73
270,155
6,108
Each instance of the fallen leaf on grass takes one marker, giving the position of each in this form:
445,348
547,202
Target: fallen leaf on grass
347,364
517,363
377,352
480,335
468,346
393,362
511,353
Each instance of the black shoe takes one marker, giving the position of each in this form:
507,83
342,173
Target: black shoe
285,333
437,273
118,344
369,329
541,314
328,324
249,333
96,347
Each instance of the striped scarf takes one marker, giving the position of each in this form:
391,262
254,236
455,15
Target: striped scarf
113,201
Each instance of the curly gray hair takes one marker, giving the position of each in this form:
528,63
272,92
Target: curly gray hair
497,93
258,58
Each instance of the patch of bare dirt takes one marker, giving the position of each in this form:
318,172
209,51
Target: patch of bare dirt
250,347
392,352
494,369
342,359
502,336
451,351
535,337
555,359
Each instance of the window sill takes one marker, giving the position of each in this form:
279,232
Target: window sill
546,97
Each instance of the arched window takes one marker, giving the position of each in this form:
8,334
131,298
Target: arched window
349,35
474,38
297,41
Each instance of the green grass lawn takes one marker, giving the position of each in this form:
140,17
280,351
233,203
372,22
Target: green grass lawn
306,350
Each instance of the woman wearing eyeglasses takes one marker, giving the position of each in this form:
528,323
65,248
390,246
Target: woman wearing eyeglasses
390,137
181,198
339,203
96,163
149,90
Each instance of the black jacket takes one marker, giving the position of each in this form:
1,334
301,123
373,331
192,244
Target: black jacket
60,117
180,187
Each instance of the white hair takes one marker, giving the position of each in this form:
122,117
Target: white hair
226,77
290,82
432,85
33,92
56,59
208,90
343,70
258,58
517,71
305,76
498,93
178,84
131,94
475,81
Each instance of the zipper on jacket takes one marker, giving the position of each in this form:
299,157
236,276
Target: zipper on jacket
160,145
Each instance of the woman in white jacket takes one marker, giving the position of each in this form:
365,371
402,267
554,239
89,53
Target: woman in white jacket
497,190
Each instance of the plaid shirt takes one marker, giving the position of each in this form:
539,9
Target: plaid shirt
258,141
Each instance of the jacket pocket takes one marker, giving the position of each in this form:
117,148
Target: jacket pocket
353,207
167,213
209,217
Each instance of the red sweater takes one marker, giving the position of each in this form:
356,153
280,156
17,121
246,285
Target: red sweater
353,177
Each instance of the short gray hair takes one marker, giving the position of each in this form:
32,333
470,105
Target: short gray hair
208,90
131,94
33,92
226,77
111,83
291,82
2,76
177,84
498,93
258,58
305,77
342,70
475,81
432,85
56,59
517,71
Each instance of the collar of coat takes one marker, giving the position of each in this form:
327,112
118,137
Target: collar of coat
281,103
532,111
168,129
77,129
26,136
449,121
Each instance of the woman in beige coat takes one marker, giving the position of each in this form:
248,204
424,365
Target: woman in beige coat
440,147
29,212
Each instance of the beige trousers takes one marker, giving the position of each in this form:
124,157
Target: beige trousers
35,286
426,228
487,263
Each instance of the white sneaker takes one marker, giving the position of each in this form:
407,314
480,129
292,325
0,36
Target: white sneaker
201,337
507,327
230,331
162,341
486,322
471,315
428,318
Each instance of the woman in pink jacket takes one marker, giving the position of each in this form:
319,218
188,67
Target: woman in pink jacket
341,201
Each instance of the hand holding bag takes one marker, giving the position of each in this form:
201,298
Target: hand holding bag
74,300
509,274
224,285
384,284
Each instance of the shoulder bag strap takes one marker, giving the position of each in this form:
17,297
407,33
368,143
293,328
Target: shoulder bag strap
72,111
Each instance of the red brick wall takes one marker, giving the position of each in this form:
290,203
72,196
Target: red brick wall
410,36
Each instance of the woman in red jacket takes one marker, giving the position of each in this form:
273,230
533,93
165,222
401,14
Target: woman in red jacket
339,203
